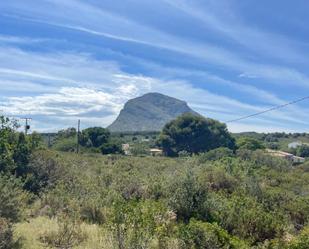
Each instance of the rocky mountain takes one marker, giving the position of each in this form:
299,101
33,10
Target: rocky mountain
149,112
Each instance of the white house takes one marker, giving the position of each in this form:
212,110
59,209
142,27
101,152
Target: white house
156,152
126,149
295,144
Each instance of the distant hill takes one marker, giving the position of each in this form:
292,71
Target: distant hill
149,112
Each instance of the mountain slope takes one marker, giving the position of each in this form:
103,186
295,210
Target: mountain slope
149,112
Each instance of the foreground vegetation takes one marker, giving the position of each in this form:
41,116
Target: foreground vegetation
223,198
206,201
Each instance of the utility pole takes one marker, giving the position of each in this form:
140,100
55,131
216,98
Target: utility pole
78,131
27,126
49,141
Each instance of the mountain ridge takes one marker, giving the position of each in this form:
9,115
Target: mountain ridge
149,112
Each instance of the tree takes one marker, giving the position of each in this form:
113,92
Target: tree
194,134
94,137
249,143
7,142
303,150
70,132
21,155
15,148
111,148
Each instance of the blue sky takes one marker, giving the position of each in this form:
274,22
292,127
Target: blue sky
83,59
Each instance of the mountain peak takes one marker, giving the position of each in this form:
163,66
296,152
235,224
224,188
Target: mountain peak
149,112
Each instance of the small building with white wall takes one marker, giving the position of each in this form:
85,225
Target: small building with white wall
295,144
156,152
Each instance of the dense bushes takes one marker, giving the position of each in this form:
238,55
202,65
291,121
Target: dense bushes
188,198
301,241
245,217
216,154
249,143
240,199
13,198
13,201
111,148
67,144
44,171
91,140
136,224
203,235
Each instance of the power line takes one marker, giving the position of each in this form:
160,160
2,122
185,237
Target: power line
268,110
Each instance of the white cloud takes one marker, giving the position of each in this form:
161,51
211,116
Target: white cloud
67,14
19,40
80,86
246,75
221,17
68,101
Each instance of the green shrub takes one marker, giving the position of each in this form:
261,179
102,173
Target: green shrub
303,151
244,217
188,197
218,179
136,224
203,235
301,241
44,171
13,198
92,212
215,154
249,143
111,148
66,144
139,149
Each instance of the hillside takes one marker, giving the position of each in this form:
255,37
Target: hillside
149,112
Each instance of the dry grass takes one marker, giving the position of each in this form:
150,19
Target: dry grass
97,238
30,232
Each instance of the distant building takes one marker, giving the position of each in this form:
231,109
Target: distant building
126,149
288,156
295,144
156,152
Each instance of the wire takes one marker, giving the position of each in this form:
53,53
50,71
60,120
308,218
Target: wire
268,110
